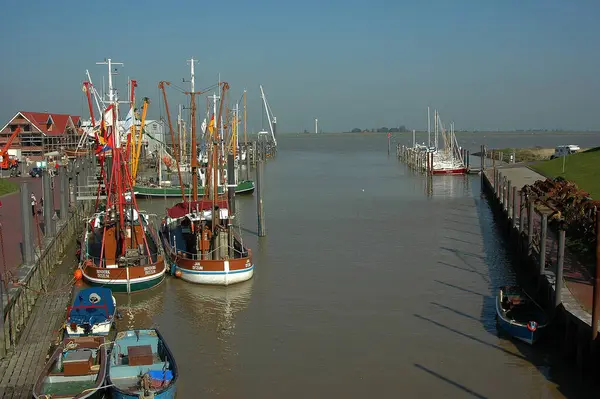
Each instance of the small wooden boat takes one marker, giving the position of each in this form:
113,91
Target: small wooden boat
76,370
92,312
141,366
519,315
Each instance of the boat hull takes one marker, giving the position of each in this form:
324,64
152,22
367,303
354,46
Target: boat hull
244,187
169,393
216,277
453,171
526,331
126,279
208,271
519,331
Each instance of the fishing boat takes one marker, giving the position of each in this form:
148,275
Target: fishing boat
77,369
141,366
150,190
201,245
92,312
519,315
120,247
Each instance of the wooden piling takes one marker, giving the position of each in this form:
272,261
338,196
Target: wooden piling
521,207
560,262
262,230
49,223
26,220
530,212
514,206
596,299
543,236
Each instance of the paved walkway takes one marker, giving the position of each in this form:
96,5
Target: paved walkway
20,369
10,219
578,294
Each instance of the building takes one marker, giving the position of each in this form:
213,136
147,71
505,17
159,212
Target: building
155,133
41,133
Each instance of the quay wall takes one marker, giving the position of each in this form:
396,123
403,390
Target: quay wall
524,224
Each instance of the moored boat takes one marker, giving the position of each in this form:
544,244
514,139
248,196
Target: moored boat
127,262
201,252
141,365
519,315
76,369
120,248
92,312
153,190
200,243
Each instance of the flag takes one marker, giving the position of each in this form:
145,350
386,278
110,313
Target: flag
203,126
108,115
211,125
129,120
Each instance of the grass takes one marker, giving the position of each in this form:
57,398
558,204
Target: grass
581,168
521,154
7,187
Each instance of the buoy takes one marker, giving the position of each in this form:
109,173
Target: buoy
532,326
78,274
178,273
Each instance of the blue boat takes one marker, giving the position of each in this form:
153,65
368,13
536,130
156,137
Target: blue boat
519,315
92,312
141,366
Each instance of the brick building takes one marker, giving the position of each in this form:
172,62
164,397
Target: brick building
41,133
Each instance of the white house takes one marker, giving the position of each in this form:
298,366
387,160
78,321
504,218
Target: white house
155,132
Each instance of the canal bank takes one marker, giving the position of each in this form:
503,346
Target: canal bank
563,284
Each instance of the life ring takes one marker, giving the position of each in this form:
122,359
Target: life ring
532,326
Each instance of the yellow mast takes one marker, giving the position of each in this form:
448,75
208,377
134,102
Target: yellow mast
136,154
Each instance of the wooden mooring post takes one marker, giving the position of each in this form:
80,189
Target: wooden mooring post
596,298
262,229
560,263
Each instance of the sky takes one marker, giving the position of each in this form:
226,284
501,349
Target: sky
486,65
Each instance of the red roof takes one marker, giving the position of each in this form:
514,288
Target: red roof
59,121
181,209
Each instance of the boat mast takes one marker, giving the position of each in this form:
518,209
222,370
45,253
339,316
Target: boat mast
245,134
193,117
428,129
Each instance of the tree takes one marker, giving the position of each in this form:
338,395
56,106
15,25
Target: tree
383,130
356,130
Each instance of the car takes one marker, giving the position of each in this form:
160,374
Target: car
35,172
562,150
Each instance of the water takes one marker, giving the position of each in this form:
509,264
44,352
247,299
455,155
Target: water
369,281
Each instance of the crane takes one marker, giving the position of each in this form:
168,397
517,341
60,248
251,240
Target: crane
6,162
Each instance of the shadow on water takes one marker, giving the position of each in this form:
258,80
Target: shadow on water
449,381
545,354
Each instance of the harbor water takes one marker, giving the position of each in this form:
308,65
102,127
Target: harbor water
371,280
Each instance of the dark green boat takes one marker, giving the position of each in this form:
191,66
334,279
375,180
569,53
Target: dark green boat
147,191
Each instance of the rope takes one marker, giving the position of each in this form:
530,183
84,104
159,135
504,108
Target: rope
46,292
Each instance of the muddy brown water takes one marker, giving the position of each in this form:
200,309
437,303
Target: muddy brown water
370,281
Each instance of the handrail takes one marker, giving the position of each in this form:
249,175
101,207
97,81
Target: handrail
200,256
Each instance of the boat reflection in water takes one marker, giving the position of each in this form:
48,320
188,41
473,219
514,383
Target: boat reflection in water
138,311
214,306
447,186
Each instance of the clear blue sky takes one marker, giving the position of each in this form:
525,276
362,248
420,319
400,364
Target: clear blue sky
486,64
